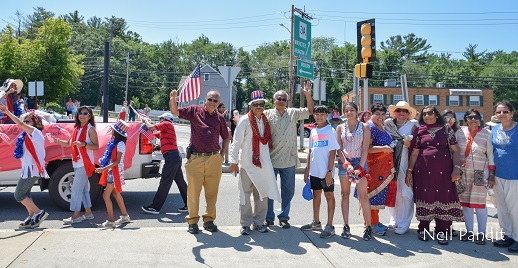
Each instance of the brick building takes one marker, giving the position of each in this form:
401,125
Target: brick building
457,100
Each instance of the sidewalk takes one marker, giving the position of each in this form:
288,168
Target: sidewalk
174,247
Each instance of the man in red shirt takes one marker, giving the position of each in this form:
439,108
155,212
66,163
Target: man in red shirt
203,168
172,169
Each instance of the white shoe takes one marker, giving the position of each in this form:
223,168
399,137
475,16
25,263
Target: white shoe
107,225
392,224
122,220
72,221
88,217
401,230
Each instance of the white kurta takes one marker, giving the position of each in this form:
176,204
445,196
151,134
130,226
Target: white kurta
262,178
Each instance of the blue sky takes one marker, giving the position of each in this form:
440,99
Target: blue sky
449,26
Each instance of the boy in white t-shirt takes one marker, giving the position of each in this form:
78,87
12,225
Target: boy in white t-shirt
319,170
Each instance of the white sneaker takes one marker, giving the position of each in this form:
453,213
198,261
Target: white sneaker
88,217
107,225
122,220
72,221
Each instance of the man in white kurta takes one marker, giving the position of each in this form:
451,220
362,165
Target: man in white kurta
254,178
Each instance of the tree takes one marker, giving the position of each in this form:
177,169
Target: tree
411,47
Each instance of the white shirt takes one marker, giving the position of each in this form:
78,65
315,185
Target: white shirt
28,162
321,141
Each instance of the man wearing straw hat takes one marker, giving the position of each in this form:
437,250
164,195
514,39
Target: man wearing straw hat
8,92
203,167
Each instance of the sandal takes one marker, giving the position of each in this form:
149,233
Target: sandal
442,240
421,235
466,236
481,239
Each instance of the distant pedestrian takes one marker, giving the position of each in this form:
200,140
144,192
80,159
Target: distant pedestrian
132,111
31,152
112,169
203,167
69,106
319,170
251,150
365,116
172,169
147,110
123,111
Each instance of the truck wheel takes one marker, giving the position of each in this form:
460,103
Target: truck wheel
60,186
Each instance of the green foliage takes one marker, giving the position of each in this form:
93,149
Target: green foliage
67,53
56,107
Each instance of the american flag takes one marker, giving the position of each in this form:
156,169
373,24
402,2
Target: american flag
63,131
143,129
5,137
191,87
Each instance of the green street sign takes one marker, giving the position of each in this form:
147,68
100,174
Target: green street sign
302,38
305,69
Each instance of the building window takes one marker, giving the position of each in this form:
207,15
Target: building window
206,77
419,99
397,98
454,101
432,100
474,100
185,103
378,98
201,102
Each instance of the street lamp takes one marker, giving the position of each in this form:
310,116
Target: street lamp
290,68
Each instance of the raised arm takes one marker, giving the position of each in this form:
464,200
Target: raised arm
306,89
172,102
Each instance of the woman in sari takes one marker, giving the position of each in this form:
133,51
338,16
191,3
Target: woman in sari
382,188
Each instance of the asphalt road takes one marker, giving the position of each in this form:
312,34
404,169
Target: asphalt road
141,191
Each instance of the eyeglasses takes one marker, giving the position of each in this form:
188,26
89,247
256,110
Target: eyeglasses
84,113
502,112
449,118
258,104
429,113
281,99
27,121
379,114
401,111
213,100
473,117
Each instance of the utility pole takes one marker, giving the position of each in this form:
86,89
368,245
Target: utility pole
127,76
106,74
291,83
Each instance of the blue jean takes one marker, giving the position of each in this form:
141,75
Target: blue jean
287,191
80,192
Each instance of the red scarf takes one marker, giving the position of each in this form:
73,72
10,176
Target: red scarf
115,173
470,142
32,151
89,167
257,137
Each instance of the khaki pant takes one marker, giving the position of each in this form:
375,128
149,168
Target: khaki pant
256,215
202,171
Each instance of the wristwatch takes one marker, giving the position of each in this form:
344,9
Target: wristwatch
330,170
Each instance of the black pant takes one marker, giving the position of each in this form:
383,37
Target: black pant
172,170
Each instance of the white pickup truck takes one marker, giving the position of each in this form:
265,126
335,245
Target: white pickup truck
139,161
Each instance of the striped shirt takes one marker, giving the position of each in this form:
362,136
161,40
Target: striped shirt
167,136
205,128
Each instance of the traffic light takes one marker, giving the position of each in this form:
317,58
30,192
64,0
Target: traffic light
366,41
363,70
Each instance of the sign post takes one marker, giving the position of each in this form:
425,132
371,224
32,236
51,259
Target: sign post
305,69
229,73
302,38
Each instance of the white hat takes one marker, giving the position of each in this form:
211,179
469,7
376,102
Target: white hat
494,121
167,116
8,82
121,127
402,105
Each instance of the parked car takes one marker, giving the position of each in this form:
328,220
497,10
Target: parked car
307,129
